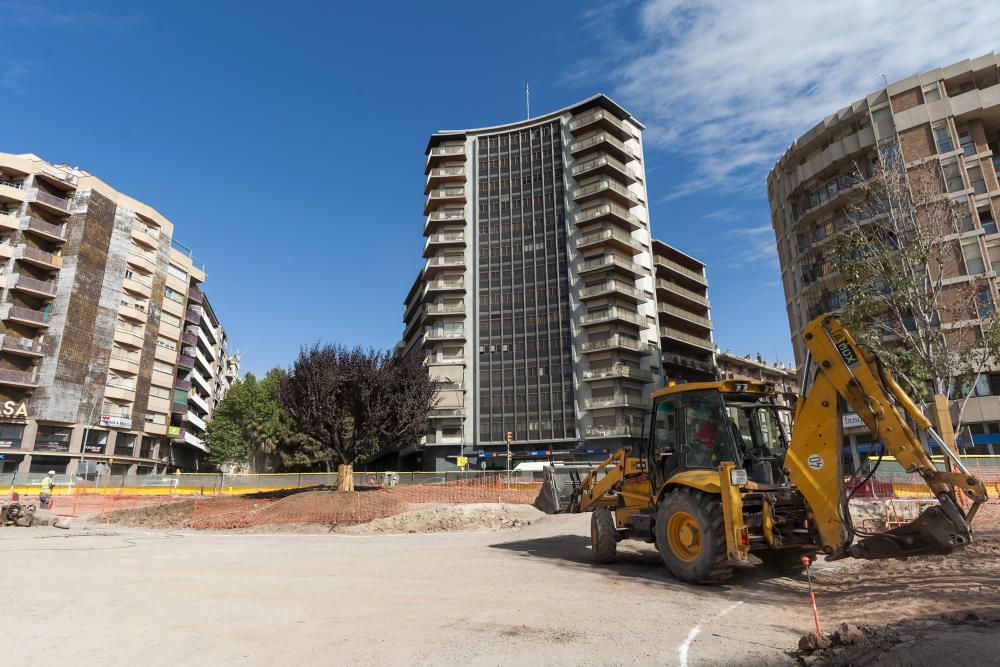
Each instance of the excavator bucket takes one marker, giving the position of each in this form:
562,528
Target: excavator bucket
931,533
559,484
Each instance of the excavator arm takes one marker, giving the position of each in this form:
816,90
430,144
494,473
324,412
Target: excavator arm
838,368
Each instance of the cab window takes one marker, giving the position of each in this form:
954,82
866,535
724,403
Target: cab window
665,428
707,430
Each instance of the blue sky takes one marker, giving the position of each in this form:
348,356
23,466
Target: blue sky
285,140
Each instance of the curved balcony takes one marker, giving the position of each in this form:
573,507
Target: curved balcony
607,189
611,262
613,314
616,288
618,342
603,164
51,203
602,119
609,237
603,141
609,211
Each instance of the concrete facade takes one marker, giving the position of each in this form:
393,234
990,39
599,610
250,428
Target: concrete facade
96,297
536,307
685,321
948,118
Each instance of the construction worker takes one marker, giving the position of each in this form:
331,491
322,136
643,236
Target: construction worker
45,493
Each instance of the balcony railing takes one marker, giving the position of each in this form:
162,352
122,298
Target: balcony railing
600,116
446,284
607,235
447,214
689,362
615,401
671,265
675,334
189,338
681,291
9,376
446,413
195,296
612,286
441,172
613,313
185,361
603,137
604,161
46,228
183,385
444,333
19,344
445,308
447,151
447,260
617,371
22,313
11,184
609,261
184,250
52,200
446,237
41,256
191,316
605,185
684,314
608,209
27,283
609,430
616,341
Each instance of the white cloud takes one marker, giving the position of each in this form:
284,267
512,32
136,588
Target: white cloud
752,246
731,84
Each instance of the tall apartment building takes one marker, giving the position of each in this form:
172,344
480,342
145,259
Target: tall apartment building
96,306
686,344
948,117
536,305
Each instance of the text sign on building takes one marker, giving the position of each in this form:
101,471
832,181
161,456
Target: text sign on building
852,420
14,410
116,422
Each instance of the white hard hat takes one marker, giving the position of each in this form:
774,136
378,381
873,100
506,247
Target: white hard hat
52,472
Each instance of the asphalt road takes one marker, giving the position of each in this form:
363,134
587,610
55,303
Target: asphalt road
530,596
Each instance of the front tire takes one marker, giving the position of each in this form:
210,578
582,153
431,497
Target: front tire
691,536
603,536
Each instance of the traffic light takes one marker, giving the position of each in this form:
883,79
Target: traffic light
510,437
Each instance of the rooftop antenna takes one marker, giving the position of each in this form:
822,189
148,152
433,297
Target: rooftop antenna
885,81
527,98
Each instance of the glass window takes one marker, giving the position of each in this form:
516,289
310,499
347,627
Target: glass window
942,138
968,145
124,444
170,318
706,430
173,295
52,438
162,366
146,450
986,220
953,177
11,436
96,441
177,272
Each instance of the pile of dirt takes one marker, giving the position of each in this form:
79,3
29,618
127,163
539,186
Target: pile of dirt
473,518
968,638
167,515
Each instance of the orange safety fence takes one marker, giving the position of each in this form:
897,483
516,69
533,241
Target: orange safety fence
362,505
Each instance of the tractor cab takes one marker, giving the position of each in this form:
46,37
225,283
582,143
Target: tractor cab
700,425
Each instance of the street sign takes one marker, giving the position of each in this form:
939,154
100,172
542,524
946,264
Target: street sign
461,461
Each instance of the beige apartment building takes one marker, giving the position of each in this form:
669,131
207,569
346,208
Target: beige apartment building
103,337
536,306
948,117
683,308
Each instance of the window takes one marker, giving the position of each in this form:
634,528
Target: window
173,295
156,418
987,221
124,444
158,392
162,366
96,442
177,272
931,92
973,259
953,176
965,139
170,318
965,224
166,343
976,179
11,436
985,302
942,137
52,438
146,449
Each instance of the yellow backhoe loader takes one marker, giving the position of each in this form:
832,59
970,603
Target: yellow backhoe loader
716,479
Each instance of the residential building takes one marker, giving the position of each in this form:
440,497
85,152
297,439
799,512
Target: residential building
948,119
785,378
95,294
536,308
686,344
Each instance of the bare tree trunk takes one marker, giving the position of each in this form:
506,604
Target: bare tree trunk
345,477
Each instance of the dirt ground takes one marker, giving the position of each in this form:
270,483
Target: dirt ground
525,593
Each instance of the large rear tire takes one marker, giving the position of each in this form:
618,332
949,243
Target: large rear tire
691,536
603,536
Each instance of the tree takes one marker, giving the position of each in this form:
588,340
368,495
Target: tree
354,403
900,264
249,424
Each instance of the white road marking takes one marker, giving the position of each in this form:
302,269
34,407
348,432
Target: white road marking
682,650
